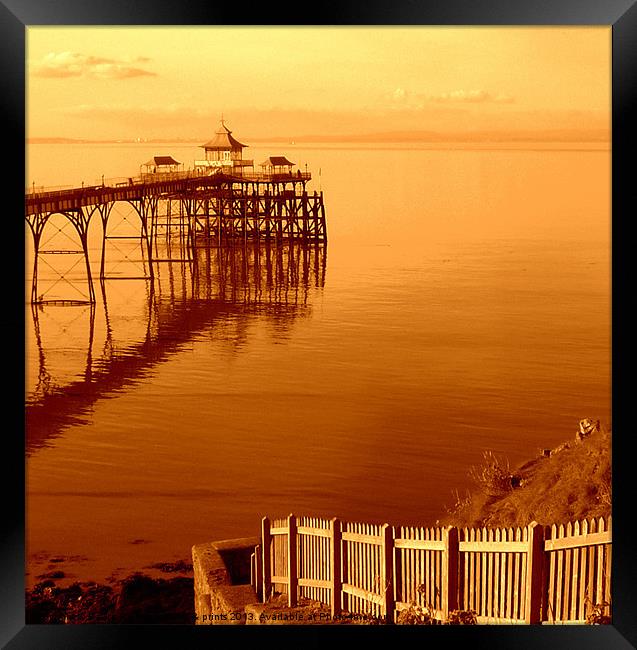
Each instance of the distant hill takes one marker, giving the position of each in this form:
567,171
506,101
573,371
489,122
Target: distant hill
556,135
53,141
47,140
552,135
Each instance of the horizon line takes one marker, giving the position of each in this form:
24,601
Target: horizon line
483,136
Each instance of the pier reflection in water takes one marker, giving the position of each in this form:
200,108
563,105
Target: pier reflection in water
81,353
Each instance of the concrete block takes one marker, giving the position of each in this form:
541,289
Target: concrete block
217,567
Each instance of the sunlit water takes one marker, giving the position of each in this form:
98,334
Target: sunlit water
462,304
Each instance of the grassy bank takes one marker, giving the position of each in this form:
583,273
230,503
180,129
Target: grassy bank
567,483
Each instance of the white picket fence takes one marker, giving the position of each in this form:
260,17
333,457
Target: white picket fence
534,574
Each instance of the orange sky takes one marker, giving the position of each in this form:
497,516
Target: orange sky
174,82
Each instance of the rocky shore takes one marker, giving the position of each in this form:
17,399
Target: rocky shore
137,599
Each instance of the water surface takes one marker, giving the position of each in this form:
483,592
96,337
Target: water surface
462,304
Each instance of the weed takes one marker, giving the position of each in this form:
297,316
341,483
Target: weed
493,477
462,617
417,614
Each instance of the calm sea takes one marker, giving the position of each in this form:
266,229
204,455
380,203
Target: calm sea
462,304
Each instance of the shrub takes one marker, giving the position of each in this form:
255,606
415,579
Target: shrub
462,617
493,477
426,615
417,615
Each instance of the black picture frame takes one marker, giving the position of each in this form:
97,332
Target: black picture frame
620,15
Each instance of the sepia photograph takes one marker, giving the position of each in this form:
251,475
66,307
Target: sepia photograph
318,325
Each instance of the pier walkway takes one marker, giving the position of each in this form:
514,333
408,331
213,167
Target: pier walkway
39,200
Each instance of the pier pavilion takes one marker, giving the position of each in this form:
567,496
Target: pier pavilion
224,153
162,165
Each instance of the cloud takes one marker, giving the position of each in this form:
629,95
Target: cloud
399,94
124,113
437,121
63,65
472,96
418,100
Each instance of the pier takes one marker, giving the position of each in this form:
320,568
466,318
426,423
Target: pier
223,200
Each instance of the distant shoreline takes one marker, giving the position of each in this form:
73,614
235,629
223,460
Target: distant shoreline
478,138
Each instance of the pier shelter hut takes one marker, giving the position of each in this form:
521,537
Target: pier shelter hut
161,165
277,166
224,153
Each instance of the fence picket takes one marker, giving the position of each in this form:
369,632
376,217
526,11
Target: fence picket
438,560
496,579
599,591
575,576
420,571
316,563
385,556
503,575
361,576
344,598
607,582
551,607
567,575
355,568
559,574
517,586
490,586
592,556
467,578
408,553
470,559
534,564
367,530
523,574
266,563
509,597
484,571
582,577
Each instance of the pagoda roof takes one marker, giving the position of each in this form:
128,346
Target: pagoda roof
277,161
224,140
162,160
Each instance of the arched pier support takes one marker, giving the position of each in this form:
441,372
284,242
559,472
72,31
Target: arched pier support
80,219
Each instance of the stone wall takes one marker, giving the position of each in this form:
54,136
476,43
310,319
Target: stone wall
222,581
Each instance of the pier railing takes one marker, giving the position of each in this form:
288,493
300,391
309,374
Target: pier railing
536,574
40,191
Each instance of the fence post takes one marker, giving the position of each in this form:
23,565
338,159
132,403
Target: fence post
387,581
450,571
534,571
546,574
292,572
335,566
258,573
396,570
265,564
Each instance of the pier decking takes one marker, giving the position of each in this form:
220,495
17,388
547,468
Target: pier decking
40,199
